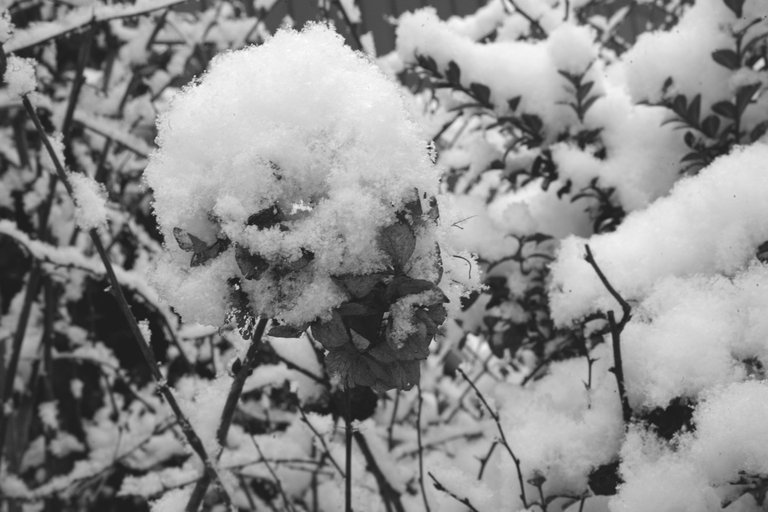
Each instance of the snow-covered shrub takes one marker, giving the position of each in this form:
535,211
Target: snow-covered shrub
599,169
559,130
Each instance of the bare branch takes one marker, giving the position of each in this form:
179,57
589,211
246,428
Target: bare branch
421,450
149,358
440,487
502,436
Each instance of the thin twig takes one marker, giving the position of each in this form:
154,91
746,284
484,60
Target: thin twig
348,21
421,450
149,359
322,441
502,436
618,370
33,285
228,412
388,493
616,330
36,273
279,485
348,453
626,309
440,487
391,426
484,460
536,27
293,366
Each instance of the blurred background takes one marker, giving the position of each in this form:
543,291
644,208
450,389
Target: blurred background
375,16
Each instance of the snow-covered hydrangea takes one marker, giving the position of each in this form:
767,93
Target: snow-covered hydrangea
290,181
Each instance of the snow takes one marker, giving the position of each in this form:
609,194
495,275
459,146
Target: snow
301,353
509,68
729,436
20,76
572,48
338,142
352,10
49,415
114,130
174,500
90,200
559,428
677,486
711,223
146,332
685,54
79,17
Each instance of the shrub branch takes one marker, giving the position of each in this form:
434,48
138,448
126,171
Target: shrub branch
149,359
502,436
233,397
616,328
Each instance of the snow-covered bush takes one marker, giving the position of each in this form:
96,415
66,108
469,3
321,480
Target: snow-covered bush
530,276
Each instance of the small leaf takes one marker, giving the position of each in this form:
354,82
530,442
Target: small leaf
405,374
565,189
433,213
667,84
689,139
252,266
762,252
402,286
537,480
584,90
744,96
427,63
414,208
353,309
727,58
481,92
286,331
693,156
533,122
266,218
359,286
383,353
694,110
538,237
331,334
416,345
398,242
710,126
513,103
573,79
735,6
185,240
204,253
513,338
758,131
725,109
360,342
339,362
680,106
453,73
